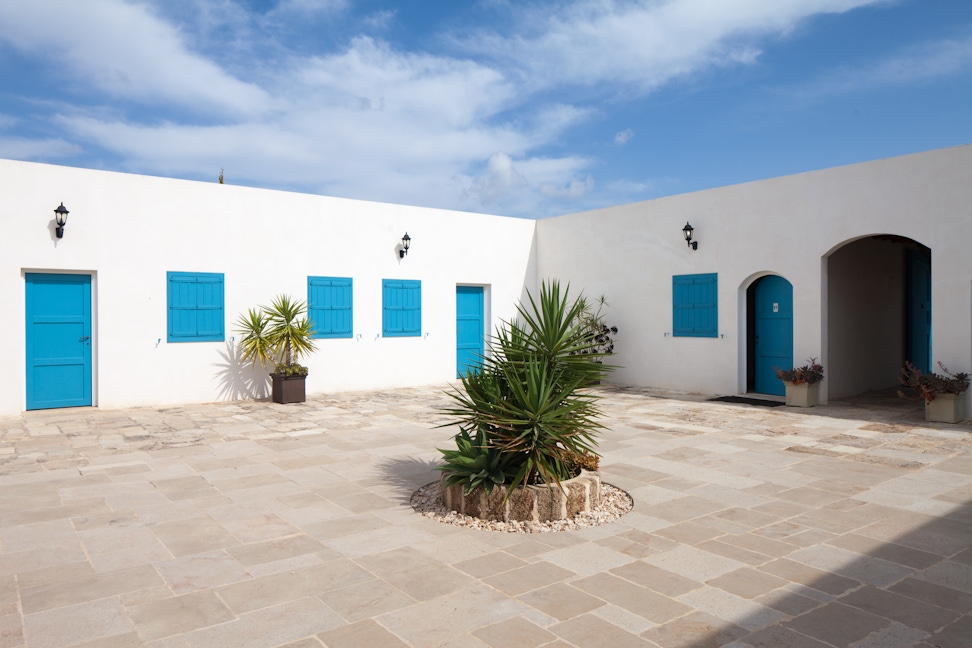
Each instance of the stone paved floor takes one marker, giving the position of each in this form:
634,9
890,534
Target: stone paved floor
253,524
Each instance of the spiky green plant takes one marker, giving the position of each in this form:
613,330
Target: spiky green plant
527,401
279,335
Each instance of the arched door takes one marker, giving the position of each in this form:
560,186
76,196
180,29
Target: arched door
773,332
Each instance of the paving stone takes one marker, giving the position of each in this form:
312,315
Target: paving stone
269,626
592,632
837,624
695,630
514,633
357,635
74,624
902,609
561,601
939,595
637,599
956,635
365,600
179,615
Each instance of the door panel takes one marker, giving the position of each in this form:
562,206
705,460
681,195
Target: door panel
774,333
469,328
58,340
919,311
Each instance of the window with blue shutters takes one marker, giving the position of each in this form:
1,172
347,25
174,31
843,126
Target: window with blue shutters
401,308
195,305
695,309
329,306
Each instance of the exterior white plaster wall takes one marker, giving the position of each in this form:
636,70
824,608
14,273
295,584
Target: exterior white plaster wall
787,226
127,231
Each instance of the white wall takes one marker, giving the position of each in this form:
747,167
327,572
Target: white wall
128,231
787,226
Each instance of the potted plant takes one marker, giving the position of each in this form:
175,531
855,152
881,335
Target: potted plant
278,335
597,336
944,394
802,383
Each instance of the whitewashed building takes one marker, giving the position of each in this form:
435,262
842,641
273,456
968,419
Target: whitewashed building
862,266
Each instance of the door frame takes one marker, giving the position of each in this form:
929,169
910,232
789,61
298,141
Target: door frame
92,322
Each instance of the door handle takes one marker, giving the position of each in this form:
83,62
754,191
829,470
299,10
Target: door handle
85,338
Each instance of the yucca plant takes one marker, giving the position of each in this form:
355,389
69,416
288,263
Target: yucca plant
526,403
277,335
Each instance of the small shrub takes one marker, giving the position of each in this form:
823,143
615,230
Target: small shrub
525,413
925,386
810,373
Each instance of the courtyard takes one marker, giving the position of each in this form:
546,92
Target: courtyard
253,524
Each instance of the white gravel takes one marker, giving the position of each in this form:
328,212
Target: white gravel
614,503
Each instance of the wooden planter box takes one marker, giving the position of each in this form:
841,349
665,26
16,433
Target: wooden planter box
288,389
946,408
802,395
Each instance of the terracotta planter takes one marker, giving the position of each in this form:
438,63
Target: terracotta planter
288,389
946,408
802,395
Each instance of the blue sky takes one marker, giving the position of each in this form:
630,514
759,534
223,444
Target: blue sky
530,108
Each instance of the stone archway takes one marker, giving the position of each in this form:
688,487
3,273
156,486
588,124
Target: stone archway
878,306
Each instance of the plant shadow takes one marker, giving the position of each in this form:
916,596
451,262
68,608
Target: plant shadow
239,380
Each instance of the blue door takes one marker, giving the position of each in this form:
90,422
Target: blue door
918,318
774,333
58,341
469,328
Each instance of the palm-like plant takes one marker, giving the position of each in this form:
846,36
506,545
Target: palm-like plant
525,403
279,334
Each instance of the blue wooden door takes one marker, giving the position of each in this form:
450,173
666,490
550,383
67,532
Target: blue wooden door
918,318
469,328
774,332
58,341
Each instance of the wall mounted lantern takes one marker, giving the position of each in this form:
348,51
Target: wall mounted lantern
687,231
406,241
60,216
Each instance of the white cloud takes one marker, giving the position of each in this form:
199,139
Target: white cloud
500,178
572,190
126,52
311,6
644,44
623,137
917,64
19,148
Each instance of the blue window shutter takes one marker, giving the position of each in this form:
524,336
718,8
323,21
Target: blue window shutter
329,304
695,305
401,308
195,307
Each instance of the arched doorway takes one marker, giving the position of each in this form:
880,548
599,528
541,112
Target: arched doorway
878,312
769,331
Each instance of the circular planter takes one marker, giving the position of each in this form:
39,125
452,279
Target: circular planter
527,503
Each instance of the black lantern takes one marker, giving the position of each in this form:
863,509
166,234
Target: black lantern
687,231
60,216
406,241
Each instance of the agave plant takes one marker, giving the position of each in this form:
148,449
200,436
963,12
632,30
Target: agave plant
278,335
526,403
